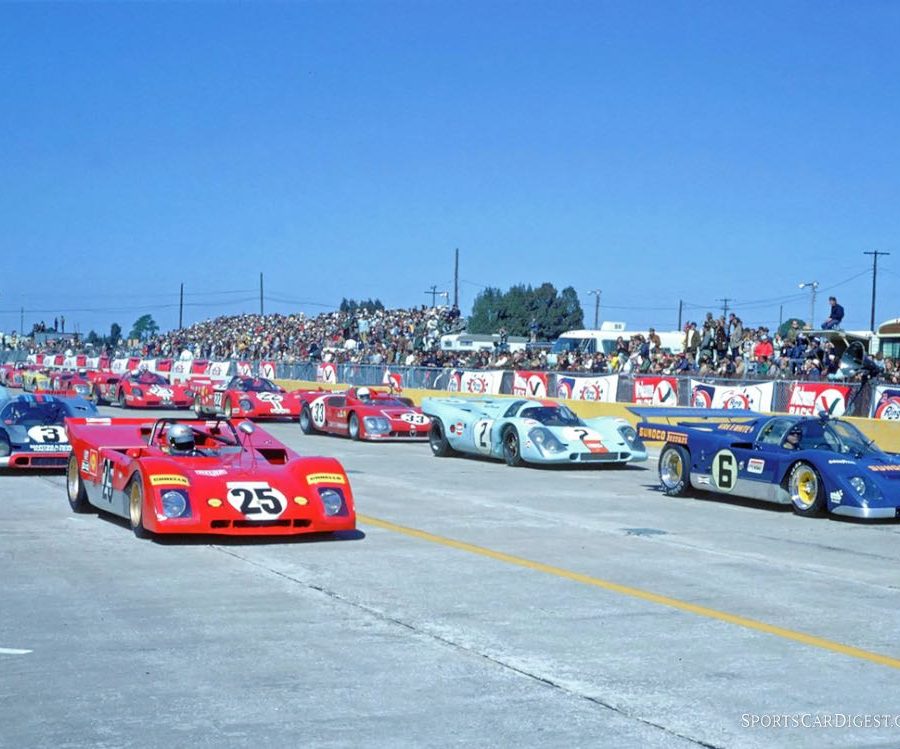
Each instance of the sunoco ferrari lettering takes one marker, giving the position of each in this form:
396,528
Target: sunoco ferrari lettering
662,435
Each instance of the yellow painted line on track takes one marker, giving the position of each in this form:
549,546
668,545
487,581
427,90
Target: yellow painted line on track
643,595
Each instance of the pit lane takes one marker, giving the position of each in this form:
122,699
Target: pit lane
405,635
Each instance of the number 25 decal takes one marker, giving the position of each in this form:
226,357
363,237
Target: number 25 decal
724,470
256,500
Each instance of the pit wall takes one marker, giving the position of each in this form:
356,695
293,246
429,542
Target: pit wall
885,433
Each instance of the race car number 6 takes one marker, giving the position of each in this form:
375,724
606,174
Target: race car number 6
724,470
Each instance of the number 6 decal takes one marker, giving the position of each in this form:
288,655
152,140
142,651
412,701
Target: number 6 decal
724,470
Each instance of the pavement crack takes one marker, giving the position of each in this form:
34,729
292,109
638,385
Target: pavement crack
388,619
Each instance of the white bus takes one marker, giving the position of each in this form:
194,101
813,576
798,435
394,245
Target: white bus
604,340
480,342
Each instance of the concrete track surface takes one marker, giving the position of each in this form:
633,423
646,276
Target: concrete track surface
478,605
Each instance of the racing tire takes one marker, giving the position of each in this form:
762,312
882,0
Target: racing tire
674,471
120,398
512,447
437,440
136,507
806,490
95,397
198,409
306,422
353,426
78,499
227,408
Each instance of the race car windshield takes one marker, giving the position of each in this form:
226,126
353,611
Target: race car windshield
257,385
850,439
150,378
552,416
32,414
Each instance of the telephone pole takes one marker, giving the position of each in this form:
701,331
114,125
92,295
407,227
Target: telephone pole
181,308
260,294
812,286
724,305
434,294
596,293
456,280
874,254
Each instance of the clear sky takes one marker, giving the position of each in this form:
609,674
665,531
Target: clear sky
658,151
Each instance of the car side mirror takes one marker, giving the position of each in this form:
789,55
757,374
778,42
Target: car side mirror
247,427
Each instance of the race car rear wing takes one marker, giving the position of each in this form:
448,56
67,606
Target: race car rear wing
658,412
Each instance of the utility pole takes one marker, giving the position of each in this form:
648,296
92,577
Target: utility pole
874,254
434,294
596,293
780,315
181,308
260,294
680,307
724,305
812,286
456,280
22,322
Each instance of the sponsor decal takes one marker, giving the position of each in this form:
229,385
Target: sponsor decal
755,465
841,462
656,391
93,462
169,479
702,396
885,468
887,405
325,478
275,401
809,398
414,418
654,434
741,428
212,472
64,448
457,428
327,373
530,384
704,480
836,496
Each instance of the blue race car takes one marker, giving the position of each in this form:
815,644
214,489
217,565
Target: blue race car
33,430
528,431
813,464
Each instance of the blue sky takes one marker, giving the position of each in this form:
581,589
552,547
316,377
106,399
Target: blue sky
658,151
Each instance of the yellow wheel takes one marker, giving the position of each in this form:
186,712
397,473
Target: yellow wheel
806,490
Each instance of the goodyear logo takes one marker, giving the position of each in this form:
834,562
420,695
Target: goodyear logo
169,479
662,435
326,478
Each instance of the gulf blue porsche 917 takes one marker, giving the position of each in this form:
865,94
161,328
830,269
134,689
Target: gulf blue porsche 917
815,464
528,431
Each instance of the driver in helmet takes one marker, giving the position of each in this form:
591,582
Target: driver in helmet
364,394
792,438
181,440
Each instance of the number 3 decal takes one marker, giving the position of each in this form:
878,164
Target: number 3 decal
724,470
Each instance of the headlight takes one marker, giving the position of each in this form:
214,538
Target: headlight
865,487
627,431
377,424
859,485
137,392
245,405
545,440
332,501
174,504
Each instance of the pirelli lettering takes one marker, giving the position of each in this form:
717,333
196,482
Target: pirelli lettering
165,479
325,478
653,434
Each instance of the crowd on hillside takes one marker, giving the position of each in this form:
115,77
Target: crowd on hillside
719,347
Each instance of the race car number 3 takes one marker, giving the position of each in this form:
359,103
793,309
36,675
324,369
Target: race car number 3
256,500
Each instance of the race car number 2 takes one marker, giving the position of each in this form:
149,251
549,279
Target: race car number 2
481,431
256,500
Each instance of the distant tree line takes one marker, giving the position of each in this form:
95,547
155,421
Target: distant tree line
542,312
369,305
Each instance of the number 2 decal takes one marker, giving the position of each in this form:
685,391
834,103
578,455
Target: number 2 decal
481,431
724,470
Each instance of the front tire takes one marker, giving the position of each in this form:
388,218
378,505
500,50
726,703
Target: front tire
353,426
120,398
198,409
807,490
136,508
78,500
512,447
437,440
306,423
95,396
674,470
227,408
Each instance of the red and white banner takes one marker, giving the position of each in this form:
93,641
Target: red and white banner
530,384
267,369
181,370
601,389
746,397
218,370
886,403
245,369
164,366
655,390
809,398
481,382
394,379
327,373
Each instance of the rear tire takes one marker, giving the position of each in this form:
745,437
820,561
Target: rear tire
807,490
306,423
95,396
120,398
227,408
198,409
136,508
78,500
512,448
353,426
437,440
674,471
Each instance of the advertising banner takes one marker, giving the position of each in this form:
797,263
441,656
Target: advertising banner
482,382
886,403
218,370
245,369
327,372
655,390
601,389
530,384
809,398
747,397
394,379
267,369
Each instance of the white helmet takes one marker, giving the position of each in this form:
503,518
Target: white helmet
181,438
364,394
